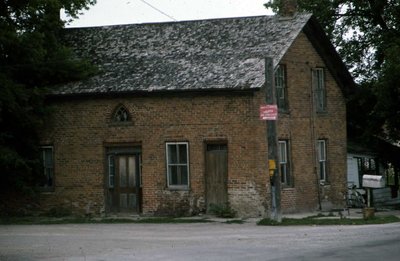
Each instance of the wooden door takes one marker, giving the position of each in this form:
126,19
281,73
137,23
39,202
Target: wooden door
216,174
126,189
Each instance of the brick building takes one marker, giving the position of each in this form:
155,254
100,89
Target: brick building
170,124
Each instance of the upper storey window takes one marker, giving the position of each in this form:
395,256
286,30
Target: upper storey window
281,88
318,82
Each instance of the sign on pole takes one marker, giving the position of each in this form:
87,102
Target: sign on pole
269,112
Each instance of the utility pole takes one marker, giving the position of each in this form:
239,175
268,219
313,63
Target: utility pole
273,161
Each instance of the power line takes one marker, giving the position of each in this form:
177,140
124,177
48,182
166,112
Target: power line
158,10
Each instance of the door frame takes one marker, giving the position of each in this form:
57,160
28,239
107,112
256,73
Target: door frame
206,144
123,150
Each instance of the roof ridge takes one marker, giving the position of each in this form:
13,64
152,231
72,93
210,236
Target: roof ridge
186,55
216,19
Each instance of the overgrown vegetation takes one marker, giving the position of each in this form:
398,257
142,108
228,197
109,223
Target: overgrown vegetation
328,221
222,210
367,36
32,58
58,212
86,220
234,221
308,221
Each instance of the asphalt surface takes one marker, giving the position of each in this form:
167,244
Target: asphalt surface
200,241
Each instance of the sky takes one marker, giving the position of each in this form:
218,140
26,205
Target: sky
112,12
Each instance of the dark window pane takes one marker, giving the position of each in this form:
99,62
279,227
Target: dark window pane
111,171
121,114
173,175
49,177
47,180
322,170
182,154
122,172
172,154
283,173
319,89
184,175
48,152
281,98
280,83
321,147
282,151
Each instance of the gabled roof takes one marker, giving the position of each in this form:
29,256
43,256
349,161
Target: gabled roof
216,54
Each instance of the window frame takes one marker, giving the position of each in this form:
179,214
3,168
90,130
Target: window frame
46,188
115,120
284,165
322,161
111,168
282,102
168,165
319,89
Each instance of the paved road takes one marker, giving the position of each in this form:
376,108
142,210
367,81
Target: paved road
210,241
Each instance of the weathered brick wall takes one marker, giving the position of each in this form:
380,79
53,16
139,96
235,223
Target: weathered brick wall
302,127
81,128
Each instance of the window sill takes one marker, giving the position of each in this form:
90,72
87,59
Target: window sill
120,124
324,183
178,188
287,187
46,190
322,113
284,112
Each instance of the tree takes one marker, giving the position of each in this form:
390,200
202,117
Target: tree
366,33
32,58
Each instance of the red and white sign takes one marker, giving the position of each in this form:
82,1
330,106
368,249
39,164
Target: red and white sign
269,112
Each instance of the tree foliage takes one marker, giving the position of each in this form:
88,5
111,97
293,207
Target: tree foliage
366,34
32,58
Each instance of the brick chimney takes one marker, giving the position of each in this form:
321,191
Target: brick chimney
288,8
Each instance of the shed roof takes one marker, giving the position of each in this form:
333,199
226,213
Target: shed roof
215,54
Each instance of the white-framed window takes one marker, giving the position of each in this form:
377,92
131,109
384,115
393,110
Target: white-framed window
281,88
177,156
318,82
47,159
111,171
322,159
283,149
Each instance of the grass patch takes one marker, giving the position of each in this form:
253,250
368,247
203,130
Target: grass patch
168,220
83,220
322,221
234,221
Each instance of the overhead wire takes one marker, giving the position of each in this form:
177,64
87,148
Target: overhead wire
158,10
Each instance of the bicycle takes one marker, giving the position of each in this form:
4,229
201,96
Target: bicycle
354,198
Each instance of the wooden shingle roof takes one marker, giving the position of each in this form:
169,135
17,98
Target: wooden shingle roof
217,54
192,55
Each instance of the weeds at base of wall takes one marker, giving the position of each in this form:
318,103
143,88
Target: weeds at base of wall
235,221
318,220
58,212
222,210
85,220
